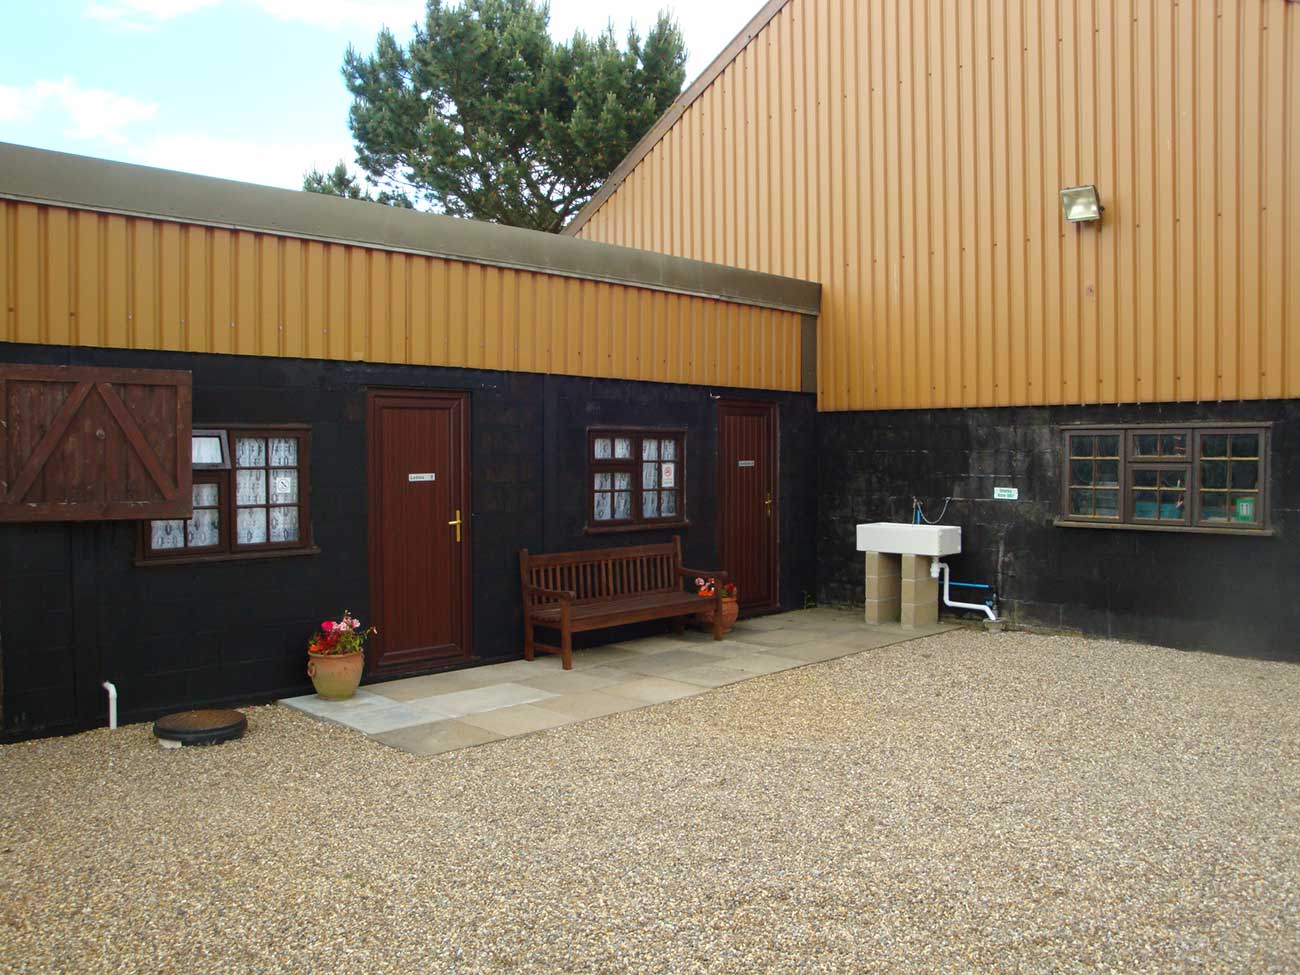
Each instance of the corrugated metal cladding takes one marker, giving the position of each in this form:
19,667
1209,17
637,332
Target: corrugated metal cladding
909,155
76,277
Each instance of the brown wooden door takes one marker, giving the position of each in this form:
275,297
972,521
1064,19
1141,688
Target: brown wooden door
747,501
419,571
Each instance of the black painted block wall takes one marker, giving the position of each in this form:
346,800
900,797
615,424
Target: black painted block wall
75,610
1226,594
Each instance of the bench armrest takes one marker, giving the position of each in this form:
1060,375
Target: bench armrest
686,573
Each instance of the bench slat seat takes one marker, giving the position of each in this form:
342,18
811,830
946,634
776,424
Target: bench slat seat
591,615
573,592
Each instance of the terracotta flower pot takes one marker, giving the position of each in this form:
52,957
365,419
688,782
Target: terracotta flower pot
336,675
730,610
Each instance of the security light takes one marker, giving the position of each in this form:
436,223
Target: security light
1081,204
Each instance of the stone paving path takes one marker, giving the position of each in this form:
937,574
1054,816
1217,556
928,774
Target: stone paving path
443,712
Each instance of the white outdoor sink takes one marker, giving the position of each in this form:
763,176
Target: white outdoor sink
900,539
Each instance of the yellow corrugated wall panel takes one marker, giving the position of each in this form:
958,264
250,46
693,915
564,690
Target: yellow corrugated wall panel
908,154
76,277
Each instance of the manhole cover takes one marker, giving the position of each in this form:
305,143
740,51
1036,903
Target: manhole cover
207,727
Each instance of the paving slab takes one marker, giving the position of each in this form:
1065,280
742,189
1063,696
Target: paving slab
786,638
437,737
521,719
585,704
653,690
712,675
417,687
489,698
571,681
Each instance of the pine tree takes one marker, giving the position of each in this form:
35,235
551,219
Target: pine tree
483,115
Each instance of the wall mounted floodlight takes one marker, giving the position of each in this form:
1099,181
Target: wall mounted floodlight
1081,204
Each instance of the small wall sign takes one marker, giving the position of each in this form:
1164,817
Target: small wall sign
1245,509
414,478
744,463
669,478
1006,494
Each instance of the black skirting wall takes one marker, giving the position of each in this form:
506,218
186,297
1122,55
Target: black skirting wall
1227,594
75,610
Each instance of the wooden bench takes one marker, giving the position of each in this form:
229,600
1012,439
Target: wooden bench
575,591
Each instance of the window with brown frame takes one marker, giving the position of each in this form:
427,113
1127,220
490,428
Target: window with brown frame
1197,477
251,497
635,479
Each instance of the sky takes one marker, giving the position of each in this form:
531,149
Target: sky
244,89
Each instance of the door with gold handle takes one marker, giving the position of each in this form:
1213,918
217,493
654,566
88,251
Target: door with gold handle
457,521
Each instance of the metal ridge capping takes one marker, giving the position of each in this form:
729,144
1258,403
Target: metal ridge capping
82,182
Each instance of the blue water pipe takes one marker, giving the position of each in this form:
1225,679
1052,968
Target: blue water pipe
991,604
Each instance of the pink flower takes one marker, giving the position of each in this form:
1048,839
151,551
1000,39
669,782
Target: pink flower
327,625
699,581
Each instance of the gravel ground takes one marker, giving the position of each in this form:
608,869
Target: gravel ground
963,803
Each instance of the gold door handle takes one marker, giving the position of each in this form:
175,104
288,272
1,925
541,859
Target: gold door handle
458,521
768,503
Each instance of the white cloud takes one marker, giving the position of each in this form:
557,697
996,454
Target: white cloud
267,162
92,113
322,13
136,12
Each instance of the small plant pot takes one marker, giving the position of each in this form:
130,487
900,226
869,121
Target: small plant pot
730,610
336,675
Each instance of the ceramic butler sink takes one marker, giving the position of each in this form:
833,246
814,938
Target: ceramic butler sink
894,538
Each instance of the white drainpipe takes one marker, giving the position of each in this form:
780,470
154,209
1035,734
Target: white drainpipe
112,703
935,567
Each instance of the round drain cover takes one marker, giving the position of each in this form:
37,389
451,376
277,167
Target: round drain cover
211,726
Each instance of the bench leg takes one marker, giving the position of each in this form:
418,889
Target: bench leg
717,620
566,648
530,645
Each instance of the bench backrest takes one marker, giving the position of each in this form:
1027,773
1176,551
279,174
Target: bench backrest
605,572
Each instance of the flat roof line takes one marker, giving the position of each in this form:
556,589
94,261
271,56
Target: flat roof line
81,182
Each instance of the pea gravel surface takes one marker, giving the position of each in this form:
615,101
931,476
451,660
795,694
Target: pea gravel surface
963,803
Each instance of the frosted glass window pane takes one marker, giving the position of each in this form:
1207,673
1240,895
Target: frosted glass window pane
283,451
649,475
250,487
649,449
603,482
205,495
623,505
669,448
622,481
251,526
250,451
166,534
603,508
668,503
623,447
284,486
205,450
602,448
203,529
284,524
650,504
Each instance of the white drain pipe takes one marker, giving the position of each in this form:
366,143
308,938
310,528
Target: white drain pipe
935,567
112,703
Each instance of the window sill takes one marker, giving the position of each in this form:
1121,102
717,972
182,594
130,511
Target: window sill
1168,530
620,529
225,557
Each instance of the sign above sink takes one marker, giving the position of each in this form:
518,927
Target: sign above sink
894,538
